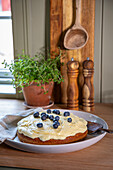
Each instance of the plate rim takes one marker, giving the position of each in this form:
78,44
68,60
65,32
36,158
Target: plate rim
68,144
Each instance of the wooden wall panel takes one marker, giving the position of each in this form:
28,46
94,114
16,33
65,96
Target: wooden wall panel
62,16
56,25
88,22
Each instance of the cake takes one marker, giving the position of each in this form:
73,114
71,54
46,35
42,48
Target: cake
51,127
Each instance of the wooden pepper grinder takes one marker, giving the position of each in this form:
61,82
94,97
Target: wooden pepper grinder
88,88
72,89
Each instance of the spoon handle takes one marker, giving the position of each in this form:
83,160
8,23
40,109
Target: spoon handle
78,11
106,130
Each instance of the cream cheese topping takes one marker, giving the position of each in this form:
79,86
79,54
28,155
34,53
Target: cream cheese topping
28,127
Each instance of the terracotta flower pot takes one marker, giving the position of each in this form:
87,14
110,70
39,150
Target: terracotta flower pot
35,96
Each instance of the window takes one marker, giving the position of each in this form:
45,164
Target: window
28,22
6,47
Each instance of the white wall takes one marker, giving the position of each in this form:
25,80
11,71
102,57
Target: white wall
107,52
103,57
28,25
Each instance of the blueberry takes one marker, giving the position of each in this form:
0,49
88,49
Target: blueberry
56,121
69,119
56,111
48,110
43,113
36,114
55,125
47,116
51,117
66,114
39,125
57,117
43,117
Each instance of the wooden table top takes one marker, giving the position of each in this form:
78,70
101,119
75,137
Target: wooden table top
97,156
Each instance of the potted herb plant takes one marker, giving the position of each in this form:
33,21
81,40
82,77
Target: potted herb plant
36,76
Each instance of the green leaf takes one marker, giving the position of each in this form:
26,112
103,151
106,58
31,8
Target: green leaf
41,68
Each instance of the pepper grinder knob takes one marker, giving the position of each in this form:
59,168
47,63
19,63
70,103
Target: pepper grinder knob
88,87
72,89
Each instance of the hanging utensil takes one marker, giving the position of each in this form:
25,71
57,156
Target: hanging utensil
76,37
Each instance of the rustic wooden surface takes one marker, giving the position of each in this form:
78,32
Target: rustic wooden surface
97,156
62,17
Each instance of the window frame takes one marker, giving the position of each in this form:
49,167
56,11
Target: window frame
19,14
5,75
25,20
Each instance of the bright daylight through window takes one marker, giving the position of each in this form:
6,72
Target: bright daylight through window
6,47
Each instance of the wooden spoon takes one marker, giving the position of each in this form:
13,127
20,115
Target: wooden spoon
76,37
94,127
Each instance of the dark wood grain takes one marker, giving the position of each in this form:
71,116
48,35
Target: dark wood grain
56,22
62,17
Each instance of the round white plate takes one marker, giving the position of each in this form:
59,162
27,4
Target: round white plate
88,141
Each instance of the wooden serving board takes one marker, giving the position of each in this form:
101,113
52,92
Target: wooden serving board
62,16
